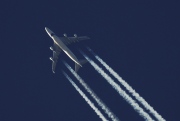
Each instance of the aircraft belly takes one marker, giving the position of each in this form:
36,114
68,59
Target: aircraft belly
58,42
66,49
71,55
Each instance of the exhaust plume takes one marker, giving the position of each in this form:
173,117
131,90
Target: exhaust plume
86,98
122,93
129,88
93,95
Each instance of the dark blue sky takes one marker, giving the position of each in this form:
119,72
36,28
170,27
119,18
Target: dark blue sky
139,40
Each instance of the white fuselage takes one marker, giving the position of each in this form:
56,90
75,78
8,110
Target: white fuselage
65,49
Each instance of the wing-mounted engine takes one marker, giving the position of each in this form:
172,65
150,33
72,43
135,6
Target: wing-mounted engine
65,35
75,35
51,48
51,59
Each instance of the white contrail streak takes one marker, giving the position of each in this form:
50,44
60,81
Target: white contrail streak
94,96
129,88
119,90
86,98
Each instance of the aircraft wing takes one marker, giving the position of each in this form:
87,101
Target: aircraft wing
56,52
69,40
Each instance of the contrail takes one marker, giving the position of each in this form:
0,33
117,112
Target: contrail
86,98
129,88
119,90
94,96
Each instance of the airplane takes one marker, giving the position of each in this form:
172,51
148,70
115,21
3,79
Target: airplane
60,45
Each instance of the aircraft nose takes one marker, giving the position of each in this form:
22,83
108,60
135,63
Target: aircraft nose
47,30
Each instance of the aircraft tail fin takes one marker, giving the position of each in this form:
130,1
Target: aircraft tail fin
77,66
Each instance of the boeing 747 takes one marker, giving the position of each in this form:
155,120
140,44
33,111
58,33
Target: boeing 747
60,45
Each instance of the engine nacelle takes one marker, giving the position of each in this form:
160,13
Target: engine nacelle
51,48
75,35
51,59
65,35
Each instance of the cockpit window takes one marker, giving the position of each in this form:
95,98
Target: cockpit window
52,34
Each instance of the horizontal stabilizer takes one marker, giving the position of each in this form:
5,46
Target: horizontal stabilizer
77,66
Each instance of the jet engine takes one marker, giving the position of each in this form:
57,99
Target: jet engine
75,35
65,35
51,48
51,59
